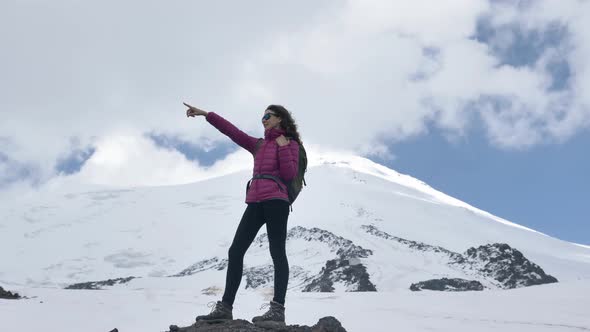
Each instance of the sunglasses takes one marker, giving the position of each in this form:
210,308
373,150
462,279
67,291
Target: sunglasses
267,116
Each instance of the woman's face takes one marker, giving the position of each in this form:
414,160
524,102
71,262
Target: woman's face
270,120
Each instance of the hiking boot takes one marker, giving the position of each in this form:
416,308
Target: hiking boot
221,312
275,316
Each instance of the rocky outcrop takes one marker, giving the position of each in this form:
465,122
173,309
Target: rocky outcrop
325,324
354,277
448,285
420,246
506,265
259,276
496,263
4,294
99,284
345,269
343,248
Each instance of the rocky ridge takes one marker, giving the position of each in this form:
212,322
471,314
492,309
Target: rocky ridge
325,324
449,285
5,294
99,284
498,263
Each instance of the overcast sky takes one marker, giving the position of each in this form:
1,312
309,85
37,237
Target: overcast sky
93,91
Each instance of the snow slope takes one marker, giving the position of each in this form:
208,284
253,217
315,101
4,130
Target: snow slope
72,233
559,307
66,234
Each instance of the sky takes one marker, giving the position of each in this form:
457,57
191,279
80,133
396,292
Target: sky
488,101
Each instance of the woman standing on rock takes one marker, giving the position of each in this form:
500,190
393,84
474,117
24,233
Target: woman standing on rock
268,203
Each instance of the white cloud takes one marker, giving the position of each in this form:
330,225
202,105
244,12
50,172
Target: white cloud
356,75
356,65
131,159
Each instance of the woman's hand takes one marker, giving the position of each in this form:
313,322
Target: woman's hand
193,111
282,140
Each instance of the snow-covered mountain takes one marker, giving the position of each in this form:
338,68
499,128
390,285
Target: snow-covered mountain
357,226
160,253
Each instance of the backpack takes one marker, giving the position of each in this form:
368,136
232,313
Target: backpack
296,184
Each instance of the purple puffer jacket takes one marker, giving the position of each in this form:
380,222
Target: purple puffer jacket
280,161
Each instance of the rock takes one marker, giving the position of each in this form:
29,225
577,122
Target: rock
354,276
506,265
419,246
98,284
325,324
4,294
328,324
344,248
345,269
499,264
259,276
448,285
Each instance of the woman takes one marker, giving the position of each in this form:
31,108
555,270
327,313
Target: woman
268,202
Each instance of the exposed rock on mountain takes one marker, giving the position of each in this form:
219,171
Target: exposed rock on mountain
343,247
497,263
4,294
453,256
346,268
99,284
506,265
258,276
450,285
353,276
493,265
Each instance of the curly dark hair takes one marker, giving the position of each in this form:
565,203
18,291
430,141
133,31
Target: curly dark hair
287,121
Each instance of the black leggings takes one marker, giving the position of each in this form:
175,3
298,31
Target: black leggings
274,213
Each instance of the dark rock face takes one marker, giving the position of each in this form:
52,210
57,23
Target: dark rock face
258,276
325,324
449,285
346,268
354,276
98,284
4,294
506,265
497,262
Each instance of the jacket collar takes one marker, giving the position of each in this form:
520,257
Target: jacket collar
273,133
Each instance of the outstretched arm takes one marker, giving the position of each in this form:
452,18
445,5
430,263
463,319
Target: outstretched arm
239,137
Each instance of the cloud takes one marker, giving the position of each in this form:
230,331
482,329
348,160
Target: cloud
357,75
386,71
124,159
